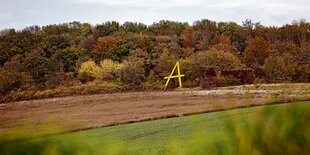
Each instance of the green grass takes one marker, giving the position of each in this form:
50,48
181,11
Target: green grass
159,133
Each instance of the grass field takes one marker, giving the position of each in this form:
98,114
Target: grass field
157,135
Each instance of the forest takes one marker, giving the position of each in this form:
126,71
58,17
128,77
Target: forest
79,58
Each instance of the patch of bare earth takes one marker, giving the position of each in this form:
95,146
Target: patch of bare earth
91,111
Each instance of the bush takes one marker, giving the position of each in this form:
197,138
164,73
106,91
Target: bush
153,86
132,72
195,69
94,87
88,72
109,70
245,76
276,69
207,83
219,81
259,72
189,69
6,83
13,78
221,60
70,79
165,64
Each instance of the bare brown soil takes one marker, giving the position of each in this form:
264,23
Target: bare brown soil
91,111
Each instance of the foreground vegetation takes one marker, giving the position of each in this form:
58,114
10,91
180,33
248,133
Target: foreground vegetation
134,56
273,129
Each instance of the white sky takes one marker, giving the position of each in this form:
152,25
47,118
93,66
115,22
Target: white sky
21,13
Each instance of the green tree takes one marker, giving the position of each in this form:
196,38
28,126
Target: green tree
68,57
105,29
133,27
235,32
50,44
38,67
112,48
167,28
16,43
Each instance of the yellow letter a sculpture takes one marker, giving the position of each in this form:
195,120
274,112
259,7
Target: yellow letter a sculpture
177,65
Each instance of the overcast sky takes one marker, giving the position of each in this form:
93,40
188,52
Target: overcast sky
21,13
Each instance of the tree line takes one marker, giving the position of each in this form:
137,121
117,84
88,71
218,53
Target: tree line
137,55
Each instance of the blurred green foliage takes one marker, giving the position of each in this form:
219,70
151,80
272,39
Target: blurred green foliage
276,130
269,132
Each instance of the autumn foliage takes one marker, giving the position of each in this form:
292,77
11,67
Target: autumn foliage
134,54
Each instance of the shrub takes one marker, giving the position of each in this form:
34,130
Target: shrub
245,76
153,86
207,83
259,81
132,72
259,72
188,68
13,78
276,69
94,87
70,79
109,70
210,72
248,77
221,81
221,60
6,83
195,69
165,64
89,71
144,57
